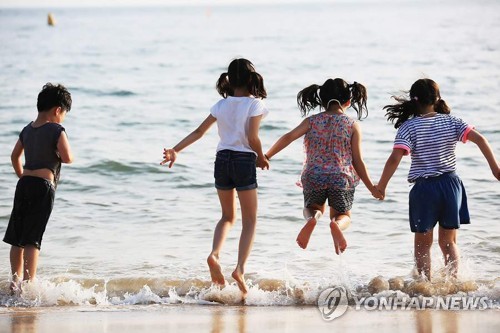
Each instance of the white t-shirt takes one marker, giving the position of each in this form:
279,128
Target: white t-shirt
233,118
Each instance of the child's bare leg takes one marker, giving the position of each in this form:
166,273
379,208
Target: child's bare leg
228,206
339,222
312,215
422,249
342,222
17,266
447,239
248,204
31,254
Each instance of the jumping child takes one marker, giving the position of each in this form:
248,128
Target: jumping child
428,132
333,162
239,152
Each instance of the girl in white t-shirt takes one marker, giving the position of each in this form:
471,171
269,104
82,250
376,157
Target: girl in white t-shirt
239,152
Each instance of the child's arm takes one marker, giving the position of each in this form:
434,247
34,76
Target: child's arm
16,160
485,148
288,138
170,155
64,149
359,164
390,167
254,141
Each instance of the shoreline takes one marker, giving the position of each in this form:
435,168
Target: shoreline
223,318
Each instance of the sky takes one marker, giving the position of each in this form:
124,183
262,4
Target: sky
108,3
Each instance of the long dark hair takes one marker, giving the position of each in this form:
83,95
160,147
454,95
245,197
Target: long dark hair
333,90
422,93
241,73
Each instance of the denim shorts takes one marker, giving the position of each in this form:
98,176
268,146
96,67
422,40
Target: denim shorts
235,169
33,203
438,199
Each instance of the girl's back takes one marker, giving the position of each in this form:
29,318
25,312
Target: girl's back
233,117
327,146
431,142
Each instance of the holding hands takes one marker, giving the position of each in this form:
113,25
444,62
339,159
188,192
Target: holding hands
380,192
377,193
262,162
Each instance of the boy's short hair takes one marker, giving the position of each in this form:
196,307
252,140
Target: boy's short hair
53,96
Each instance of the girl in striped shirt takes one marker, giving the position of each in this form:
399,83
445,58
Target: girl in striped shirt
428,132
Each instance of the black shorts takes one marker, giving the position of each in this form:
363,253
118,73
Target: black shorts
235,169
340,200
33,204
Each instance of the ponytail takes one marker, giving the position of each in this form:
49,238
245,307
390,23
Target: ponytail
241,73
441,107
223,87
333,90
423,92
256,85
402,111
358,99
308,99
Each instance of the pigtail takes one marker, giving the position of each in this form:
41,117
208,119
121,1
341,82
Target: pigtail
358,99
223,87
423,92
308,98
441,107
402,111
256,85
241,73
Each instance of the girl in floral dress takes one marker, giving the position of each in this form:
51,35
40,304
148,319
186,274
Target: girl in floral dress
333,165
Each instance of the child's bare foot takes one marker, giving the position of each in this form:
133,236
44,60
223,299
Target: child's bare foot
240,280
215,270
305,232
338,238
15,288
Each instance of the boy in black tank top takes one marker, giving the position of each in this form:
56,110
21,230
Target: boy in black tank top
45,146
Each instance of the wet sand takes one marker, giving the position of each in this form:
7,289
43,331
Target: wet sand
208,318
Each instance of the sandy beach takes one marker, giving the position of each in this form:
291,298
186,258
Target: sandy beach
196,318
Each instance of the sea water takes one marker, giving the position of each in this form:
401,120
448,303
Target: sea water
125,230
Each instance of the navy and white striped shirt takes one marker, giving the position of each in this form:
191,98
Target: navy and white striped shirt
431,141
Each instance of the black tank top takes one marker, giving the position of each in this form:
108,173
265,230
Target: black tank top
40,147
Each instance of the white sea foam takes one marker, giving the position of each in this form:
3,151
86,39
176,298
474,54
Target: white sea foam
45,293
125,230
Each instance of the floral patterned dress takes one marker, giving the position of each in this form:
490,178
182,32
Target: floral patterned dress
328,153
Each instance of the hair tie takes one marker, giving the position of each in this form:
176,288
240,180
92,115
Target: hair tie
415,98
333,100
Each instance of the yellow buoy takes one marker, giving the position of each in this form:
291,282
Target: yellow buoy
51,20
